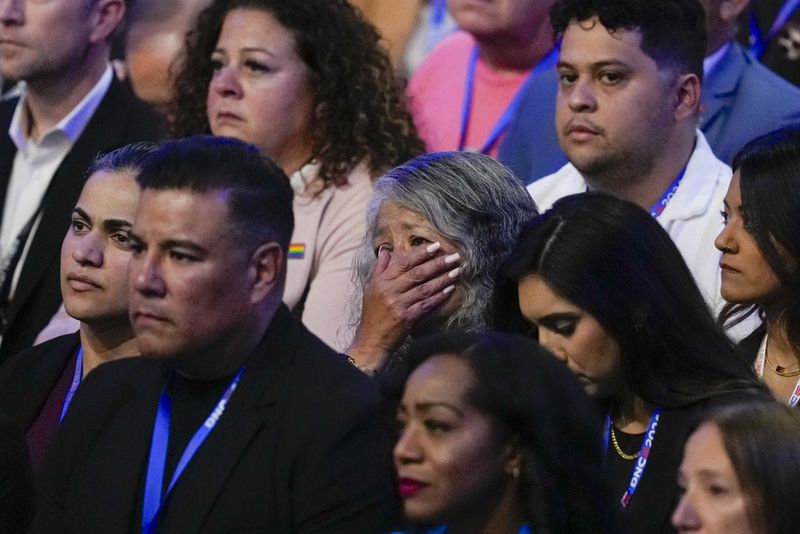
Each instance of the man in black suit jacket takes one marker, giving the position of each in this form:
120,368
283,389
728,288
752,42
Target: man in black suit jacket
61,50
237,418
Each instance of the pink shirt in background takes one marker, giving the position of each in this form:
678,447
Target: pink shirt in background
436,93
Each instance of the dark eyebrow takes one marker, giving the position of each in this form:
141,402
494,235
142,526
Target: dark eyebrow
112,225
427,406
596,65
80,213
553,317
168,244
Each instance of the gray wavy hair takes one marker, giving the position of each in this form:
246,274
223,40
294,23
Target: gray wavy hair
470,199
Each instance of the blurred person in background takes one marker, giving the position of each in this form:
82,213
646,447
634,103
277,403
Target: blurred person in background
771,30
70,108
465,92
729,481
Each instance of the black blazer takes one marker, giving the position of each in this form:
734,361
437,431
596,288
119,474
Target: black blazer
27,379
300,448
120,119
16,479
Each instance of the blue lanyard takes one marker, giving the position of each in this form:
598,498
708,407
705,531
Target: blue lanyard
77,375
658,208
153,498
437,22
760,42
505,119
525,529
641,458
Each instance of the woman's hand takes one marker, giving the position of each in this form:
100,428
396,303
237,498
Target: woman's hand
404,289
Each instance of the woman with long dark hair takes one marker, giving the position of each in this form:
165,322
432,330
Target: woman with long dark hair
497,437
607,292
760,246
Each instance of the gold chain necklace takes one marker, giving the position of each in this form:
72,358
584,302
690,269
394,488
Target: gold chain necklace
782,371
617,448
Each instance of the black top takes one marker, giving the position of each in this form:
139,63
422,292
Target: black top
656,496
16,480
301,448
191,403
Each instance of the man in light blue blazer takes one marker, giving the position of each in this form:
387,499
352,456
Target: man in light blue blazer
741,100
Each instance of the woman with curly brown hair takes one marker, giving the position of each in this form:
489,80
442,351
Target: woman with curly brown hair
308,83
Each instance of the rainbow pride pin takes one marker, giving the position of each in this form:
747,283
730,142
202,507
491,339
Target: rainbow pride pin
297,251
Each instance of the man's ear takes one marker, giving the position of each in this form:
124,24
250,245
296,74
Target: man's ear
687,96
266,267
105,17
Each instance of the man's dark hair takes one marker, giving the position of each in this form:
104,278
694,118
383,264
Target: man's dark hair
127,158
259,195
673,31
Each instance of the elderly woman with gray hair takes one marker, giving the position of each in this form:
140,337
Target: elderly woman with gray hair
439,227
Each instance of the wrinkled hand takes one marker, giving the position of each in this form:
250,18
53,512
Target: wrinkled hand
404,288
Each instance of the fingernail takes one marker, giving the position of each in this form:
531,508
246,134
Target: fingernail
454,272
452,258
448,290
433,247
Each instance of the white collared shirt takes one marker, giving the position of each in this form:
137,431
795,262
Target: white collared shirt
692,218
37,160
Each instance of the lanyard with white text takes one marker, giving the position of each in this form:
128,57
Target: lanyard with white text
759,41
76,381
641,458
759,368
661,204
505,119
154,481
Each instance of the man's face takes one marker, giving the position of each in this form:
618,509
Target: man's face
42,39
96,251
614,106
495,19
190,279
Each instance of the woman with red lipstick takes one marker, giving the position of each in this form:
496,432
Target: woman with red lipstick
307,82
497,437
604,288
760,246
